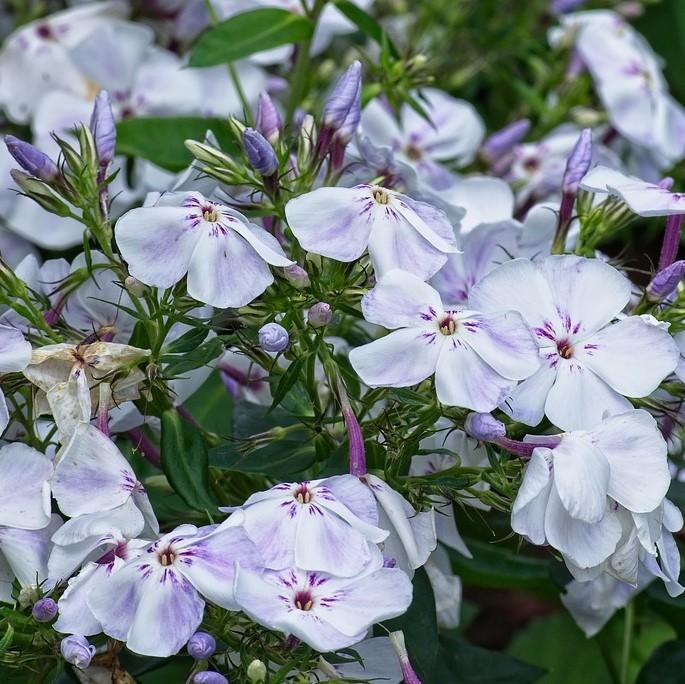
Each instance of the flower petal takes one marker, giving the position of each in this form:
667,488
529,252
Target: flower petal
15,351
528,510
526,403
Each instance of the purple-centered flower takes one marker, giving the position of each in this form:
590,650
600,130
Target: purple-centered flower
77,651
259,152
31,159
103,128
273,337
477,358
268,120
327,525
44,609
326,612
166,584
226,257
399,232
589,363
201,645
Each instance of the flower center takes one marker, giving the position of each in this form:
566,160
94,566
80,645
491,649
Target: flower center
413,152
303,600
302,494
564,349
447,325
167,557
209,213
381,195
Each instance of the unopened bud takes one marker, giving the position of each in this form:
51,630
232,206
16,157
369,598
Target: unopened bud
397,641
28,596
209,677
273,337
256,672
666,183
44,609
578,163
259,152
306,141
484,427
134,286
320,315
40,193
503,141
31,159
237,126
208,154
103,128
201,645
77,651
296,276
343,97
268,120
665,281
564,6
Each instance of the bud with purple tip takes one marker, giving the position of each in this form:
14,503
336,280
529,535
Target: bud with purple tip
209,677
44,609
77,651
273,337
31,159
503,141
344,96
320,315
268,121
103,128
259,152
346,132
201,645
484,427
296,276
564,6
397,641
665,281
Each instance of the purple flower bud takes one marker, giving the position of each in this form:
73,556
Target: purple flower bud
44,609
666,183
397,641
665,281
273,337
350,123
357,452
484,427
259,152
671,242
578,162
77,651
564,6
31,159
296,276
208,677
503,141
201,645
103,128
344,95
268,120
320,315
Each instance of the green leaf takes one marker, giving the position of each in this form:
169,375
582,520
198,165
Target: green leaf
665,666
420,627
467,664
495,565
282,459
244,34
286,381
178,364
188,341
671,608
161,140
212,406
185,462
7,638
367,25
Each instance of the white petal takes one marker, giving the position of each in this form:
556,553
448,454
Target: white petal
636,451
157,243
400,359
333,222
15,351
528,510
92,474
401,300
226,271
486,200
431,223
631,356
27,552
265,244
581,477
24,489
272,529
526,403
463,379
579,399
355,496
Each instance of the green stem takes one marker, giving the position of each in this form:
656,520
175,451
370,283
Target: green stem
247,110
298,87
627,641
